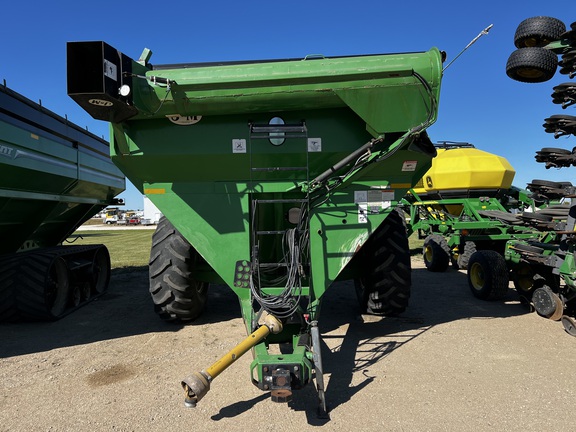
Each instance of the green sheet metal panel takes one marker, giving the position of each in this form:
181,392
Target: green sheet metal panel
53,174
204,174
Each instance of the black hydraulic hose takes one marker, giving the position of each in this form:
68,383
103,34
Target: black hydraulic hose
354,155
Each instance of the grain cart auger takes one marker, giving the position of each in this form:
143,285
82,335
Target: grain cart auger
276,178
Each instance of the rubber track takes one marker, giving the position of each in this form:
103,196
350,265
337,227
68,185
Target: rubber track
31,280
23,282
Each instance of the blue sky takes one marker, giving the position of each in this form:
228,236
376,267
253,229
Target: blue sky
478,104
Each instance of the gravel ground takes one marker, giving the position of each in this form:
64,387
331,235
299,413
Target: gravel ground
450,363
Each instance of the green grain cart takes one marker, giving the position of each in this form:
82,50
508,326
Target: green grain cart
276,178
54,176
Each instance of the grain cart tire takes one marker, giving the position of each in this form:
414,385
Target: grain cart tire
464,257
436,253
177,296
538,32
43,286
384,288
532,65
488,275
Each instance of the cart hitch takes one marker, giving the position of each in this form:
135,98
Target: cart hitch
197,385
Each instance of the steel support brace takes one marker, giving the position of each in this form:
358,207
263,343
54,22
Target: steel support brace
317,353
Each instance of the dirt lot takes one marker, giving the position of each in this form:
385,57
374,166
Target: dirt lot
450,363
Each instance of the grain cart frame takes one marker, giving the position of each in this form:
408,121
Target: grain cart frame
276,178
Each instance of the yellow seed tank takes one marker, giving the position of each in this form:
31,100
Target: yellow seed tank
465,168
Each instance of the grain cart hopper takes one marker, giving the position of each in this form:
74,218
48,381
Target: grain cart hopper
276,178
54,176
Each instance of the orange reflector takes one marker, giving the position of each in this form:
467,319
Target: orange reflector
400,186
154,191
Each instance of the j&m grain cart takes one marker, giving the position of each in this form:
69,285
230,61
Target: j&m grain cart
277,178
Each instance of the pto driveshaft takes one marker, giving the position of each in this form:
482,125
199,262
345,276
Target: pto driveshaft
197,385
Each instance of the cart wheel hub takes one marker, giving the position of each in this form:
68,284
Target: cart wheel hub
477,276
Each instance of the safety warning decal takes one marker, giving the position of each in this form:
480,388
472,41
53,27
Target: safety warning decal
409,165
238,146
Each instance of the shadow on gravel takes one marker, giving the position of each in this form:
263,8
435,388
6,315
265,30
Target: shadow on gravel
358,342
415,251
353,343
126,309
240,407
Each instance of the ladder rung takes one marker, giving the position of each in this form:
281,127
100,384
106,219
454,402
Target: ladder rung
283,200
278,129
264,265
272,169
275,232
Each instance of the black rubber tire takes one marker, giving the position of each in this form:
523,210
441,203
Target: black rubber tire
536,217
549,151
546,183
177,296
384,288
532,65
538,31
555,213
43,287
436,253
488,275
469,249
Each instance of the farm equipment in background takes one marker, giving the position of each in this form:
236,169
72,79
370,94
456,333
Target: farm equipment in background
548,269
112,215
275,177
464,203
466,210
54,176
